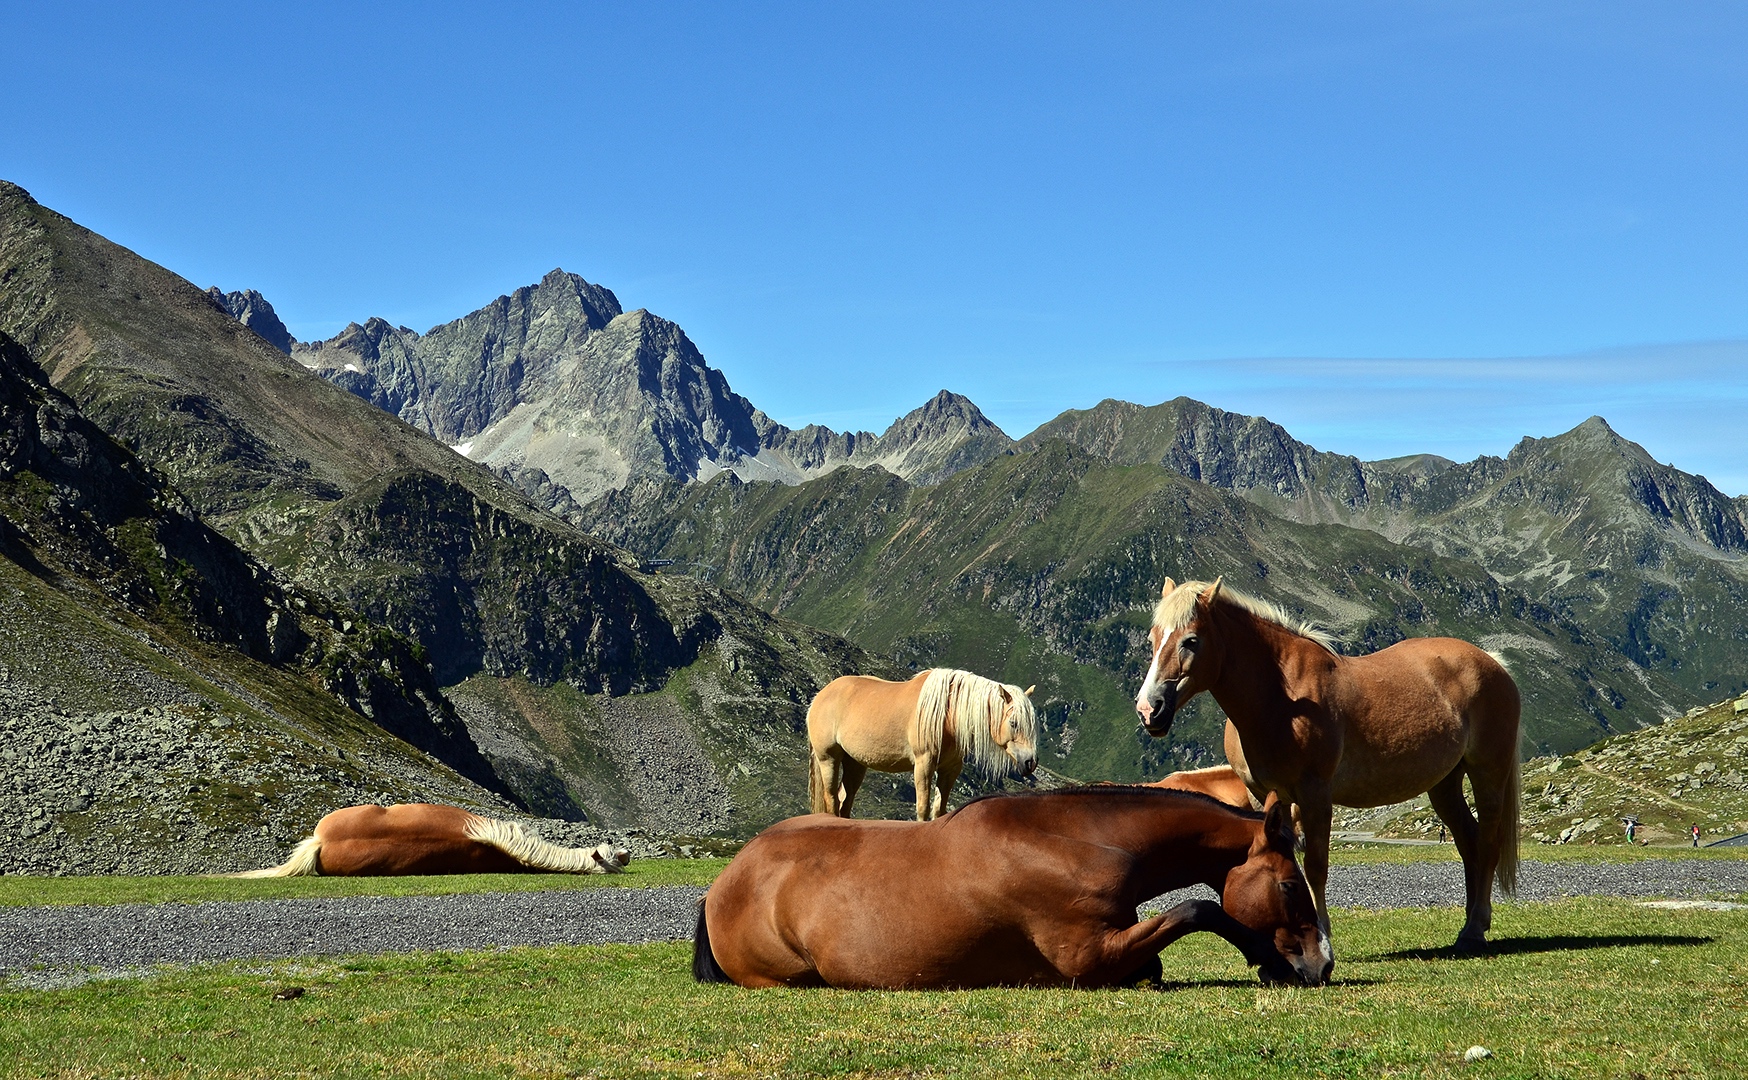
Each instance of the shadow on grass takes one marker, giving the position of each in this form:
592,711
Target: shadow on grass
1552,943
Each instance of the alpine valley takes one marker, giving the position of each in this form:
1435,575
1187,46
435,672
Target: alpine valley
543,561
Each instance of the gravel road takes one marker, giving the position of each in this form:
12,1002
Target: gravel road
45,947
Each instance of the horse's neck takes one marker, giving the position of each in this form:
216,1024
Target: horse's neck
1176,847
1256,657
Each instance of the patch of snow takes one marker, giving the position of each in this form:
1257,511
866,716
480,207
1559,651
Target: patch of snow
351,367
461,449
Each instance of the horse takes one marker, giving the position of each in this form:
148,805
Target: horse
1028,889
1220,782
425,838
931,724
1319,728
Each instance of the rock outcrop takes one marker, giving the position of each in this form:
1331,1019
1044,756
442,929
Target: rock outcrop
252,310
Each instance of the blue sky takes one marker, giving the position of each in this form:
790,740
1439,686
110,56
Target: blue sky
1390,227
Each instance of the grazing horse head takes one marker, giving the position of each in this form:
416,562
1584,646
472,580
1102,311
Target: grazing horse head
1268,894
1015,730
1182,667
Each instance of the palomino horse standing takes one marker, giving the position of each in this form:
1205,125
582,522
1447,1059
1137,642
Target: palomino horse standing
1370,730
931,724
424,838
1034,889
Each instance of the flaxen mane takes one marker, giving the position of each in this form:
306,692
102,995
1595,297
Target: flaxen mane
530,850
975,704
1177,607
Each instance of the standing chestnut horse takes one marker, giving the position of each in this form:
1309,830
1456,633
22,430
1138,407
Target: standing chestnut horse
1321,729
931,724
425,838
1034,889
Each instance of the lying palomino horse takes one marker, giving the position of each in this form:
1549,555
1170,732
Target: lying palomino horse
1220,782
1033,889
423,838
1321,729
930,725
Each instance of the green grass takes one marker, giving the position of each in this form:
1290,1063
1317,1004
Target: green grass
26,891
1586,988
21,891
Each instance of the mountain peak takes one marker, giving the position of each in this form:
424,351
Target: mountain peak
252,310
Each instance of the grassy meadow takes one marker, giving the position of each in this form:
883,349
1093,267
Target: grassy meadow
1580,988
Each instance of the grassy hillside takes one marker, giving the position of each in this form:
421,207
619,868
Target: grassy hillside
1043,567
1690,770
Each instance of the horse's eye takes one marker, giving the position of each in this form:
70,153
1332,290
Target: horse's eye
1189,644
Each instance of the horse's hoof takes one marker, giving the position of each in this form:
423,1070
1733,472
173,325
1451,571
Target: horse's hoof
1470,944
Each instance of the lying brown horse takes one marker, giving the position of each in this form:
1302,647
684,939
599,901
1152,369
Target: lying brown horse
1321,729
1034,889
424,838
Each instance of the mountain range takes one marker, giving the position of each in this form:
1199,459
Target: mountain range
438,555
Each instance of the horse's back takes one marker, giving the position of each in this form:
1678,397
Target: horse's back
405,839
869,718
1413,712
1220,782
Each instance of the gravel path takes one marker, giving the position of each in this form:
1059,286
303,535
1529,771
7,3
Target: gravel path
46,947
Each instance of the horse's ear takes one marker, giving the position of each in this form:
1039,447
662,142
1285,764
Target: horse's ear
1277,823
1031,688
1213,590
1169,586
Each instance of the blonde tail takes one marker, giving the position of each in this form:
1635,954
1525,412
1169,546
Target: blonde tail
305,861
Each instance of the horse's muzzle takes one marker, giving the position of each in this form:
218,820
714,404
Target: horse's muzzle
1158,711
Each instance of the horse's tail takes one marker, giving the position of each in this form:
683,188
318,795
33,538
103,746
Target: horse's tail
531,851
305,861
1509,841
813,800
705,969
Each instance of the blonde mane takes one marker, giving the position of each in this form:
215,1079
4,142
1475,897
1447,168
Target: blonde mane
975,705
528,849
1176,608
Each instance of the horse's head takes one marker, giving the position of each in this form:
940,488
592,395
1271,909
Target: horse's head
1182,665
1267,893
1016,729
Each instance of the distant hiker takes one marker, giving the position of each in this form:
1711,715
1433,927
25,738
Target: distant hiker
1441,834
1631,825
1695,833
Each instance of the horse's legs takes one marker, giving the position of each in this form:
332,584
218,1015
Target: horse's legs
1128,952
1446,797
925,777
828,769
1316,812
854,771
944,781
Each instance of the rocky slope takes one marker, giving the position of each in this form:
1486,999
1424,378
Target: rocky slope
1690,770
568,396
362,513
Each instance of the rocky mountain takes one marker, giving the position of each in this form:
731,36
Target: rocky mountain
388,528
1648,557
252,310
566,395
1044,566
160,689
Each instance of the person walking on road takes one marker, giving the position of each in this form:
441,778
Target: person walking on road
1695,833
